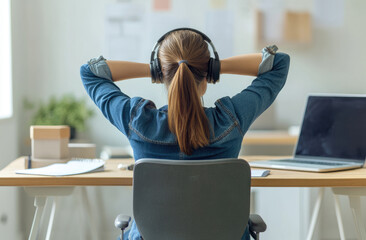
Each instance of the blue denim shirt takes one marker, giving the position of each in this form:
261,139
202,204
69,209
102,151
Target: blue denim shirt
146,126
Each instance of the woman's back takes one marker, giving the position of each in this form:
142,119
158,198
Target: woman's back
150,136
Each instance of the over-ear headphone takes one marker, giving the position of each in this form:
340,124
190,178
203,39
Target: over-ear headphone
213,72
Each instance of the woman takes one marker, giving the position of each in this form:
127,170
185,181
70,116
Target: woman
184,129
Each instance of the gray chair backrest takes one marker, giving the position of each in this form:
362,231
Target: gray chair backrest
188,200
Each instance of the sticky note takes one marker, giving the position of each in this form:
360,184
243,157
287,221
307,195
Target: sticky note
162,5
218,4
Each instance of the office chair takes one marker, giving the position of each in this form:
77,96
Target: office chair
192,200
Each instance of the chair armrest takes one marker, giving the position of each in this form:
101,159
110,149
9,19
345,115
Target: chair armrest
256,223
122,221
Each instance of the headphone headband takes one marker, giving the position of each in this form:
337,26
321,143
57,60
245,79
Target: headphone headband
216,61
189,29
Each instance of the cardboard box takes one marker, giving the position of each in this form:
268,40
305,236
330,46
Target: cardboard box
50,142
82,150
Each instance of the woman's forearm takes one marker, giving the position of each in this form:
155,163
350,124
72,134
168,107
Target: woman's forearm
122,70
246,64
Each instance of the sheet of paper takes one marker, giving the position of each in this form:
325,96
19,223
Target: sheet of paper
272,19
72,167
270,4
272,25
123,31
124,11
260,173
126,48
219,27
328,13
158,23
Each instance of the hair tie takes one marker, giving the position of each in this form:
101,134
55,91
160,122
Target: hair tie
182,61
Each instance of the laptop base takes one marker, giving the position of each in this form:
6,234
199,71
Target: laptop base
284,164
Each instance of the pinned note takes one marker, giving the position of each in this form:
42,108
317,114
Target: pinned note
162,5
218,4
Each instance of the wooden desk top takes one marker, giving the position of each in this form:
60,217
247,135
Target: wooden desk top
269,138
112,176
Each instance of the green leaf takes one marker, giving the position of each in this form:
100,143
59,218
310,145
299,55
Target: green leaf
66,110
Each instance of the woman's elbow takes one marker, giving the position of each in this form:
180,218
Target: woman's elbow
283,58
85,71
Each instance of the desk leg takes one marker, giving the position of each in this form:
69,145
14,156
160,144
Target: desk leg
355,204
40,195
52,217
39,203
339,217
315,214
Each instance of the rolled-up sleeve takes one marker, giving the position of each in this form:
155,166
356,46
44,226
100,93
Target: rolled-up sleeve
114,104
257,97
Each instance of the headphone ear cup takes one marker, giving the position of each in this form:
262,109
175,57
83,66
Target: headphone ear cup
153,71
216,67
209,71
158,73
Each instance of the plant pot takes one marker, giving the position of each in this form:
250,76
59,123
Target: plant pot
72,133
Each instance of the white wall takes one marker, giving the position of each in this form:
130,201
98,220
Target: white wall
53,38
10,209
9,201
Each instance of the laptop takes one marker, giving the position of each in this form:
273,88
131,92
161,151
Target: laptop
332,136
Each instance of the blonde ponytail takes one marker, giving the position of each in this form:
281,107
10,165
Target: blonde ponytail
186,116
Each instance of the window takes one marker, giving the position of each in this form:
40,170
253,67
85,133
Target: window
6,108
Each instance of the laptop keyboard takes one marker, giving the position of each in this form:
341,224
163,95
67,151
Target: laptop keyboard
311,162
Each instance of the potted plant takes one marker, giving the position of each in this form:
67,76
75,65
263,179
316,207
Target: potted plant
66,110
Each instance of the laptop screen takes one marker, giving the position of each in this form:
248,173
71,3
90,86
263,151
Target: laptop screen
334,127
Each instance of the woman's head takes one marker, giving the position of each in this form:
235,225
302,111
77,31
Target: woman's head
184,45
186,83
